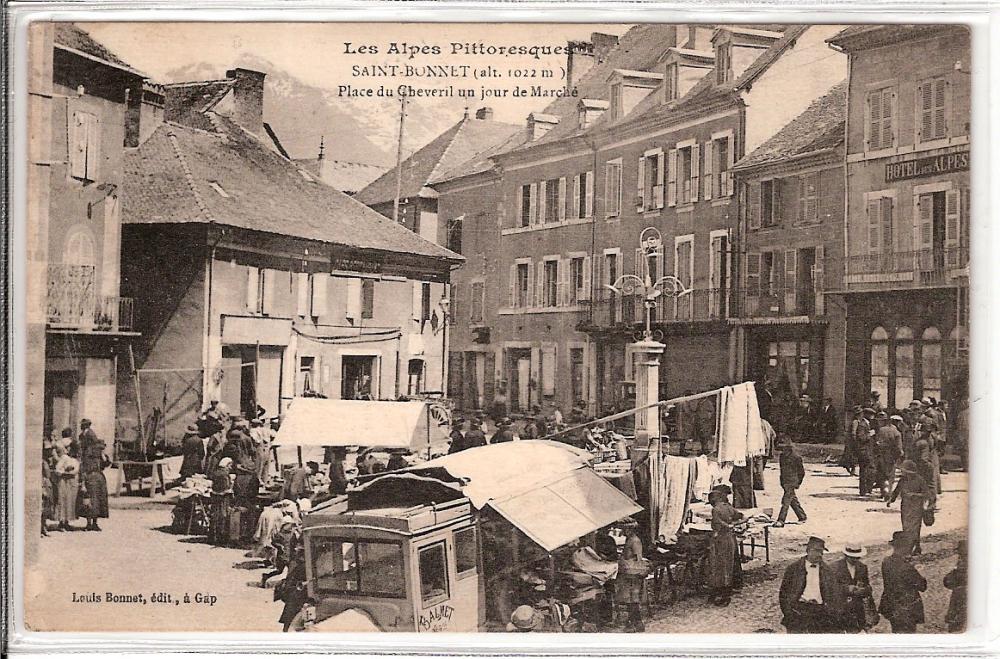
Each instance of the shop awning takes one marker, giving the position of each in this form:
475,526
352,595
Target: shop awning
386,424
253,330
571,507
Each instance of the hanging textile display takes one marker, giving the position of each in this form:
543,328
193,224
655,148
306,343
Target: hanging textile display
675,495
740,435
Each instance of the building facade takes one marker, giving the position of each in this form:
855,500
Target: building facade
792,226
649,139
906,271
89,324
261,283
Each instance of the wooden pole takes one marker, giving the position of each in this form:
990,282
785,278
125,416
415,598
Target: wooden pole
427,418
138,398
399,161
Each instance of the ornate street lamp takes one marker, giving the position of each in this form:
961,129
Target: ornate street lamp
650,242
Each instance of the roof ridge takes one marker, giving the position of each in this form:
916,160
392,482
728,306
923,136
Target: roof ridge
189,83
188,176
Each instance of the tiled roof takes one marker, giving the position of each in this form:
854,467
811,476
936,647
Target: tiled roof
445,152
481,162
176,176
819,127
72,36
349,177
884,33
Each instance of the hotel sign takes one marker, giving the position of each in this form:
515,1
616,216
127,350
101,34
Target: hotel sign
929,166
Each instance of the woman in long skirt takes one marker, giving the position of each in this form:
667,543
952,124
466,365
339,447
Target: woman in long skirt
631,579
67,486
93,462
721,547
222,498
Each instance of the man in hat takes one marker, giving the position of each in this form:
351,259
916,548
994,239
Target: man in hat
792,473
957,581
889,445
873,401
849,458
914,494
504,432
475,436
193,450
525,618
864,437
853,576
530,430
902,584
927,428
811,597
905,435
457,436
829,421
338,475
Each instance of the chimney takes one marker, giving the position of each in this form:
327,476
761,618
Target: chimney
579,60
143,112
248,93
539,124
603,43
486,114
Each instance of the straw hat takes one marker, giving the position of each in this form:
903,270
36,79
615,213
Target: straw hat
524,619
815,541
855,550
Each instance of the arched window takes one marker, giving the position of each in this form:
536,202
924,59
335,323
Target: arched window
880,362
930,361
904,367
79,247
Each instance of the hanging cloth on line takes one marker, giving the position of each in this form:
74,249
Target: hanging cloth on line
675,494
741,434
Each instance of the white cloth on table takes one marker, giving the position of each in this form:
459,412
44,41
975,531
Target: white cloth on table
675,495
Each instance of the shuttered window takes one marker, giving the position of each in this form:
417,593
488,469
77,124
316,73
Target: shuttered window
931,109
879,124
84,150
613,188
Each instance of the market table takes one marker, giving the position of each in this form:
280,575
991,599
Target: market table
128,468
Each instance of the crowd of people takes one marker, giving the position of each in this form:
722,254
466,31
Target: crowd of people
73,481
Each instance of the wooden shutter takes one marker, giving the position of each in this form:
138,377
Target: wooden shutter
302,294
873,127
709,166
533,204
519,213
818,283
512,287
561,287
888,118
791,272
416,299
754,191
93,147
353,305
940,92
253,289
562,199
589,193
925,213
658,183
269,294
575,202
874,228
78,145
319,293
727,176
752,283
539,286
584,293
695,168
952,227
777,212
925,111
886,220
672,177
542,202
640,264
640,184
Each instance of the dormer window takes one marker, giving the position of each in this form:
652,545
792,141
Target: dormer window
626,88
670,80
723,68
617,102
588,111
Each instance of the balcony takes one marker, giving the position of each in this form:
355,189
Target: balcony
627,312
926,268
776,303
73,303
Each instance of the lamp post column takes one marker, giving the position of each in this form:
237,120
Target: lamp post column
646,354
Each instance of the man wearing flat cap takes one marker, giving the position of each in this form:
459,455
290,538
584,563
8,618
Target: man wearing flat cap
811,596
853,576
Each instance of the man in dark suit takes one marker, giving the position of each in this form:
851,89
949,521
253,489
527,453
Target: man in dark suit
504,432
811,597
829,421
475,436
193,449
901,587
792,474
853,576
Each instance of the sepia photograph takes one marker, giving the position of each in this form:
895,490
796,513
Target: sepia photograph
497,327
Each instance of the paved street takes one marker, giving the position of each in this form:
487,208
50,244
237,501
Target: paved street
135,548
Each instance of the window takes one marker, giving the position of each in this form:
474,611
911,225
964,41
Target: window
466,551
583,195
617,101
931,112
256,284
523,284
670,80
930,362
808,198
881,110
904,365
880,363
306,379
683,270
880,218
455,234
548,368
433,568
425,301
685,164
577,291
79,247
415,377
576,374
650,181
550,284
526,209
368,298
613,188
85,146
770,202
722,64
358,568
767,274
477,303
718,162
611,273
552,199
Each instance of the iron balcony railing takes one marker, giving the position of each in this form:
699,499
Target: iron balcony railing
767,302
914,269
74,304
610,310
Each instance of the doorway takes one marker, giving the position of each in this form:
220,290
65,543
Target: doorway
61,400
415,377
519,367
357,377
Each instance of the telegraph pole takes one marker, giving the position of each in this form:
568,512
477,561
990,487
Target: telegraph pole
399,160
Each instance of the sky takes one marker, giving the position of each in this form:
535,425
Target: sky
315,52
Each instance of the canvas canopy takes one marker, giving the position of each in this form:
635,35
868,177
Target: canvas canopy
387,424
